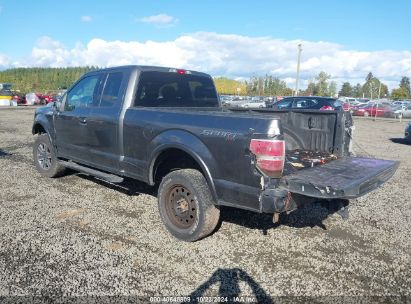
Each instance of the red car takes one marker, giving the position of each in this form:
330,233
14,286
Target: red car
371,110
48,98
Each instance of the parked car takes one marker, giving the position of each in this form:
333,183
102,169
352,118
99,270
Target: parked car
350,100
234,102
19,98
150,124
253,104
32,99
363,100
378,110
48,98
308,102
6,95
401,111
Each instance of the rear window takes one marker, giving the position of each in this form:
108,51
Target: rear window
170,89
316,103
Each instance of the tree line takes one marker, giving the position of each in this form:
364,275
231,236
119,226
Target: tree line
42,80
51,79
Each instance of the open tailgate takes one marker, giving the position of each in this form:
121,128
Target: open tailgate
342,178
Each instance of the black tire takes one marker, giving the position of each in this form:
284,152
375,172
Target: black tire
45,157
186,205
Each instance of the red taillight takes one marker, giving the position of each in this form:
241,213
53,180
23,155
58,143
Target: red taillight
181,72
327,108
269,156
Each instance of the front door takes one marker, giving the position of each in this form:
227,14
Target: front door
71,121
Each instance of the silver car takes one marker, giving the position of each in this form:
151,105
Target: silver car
402,111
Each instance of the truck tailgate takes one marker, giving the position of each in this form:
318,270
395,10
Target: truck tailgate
342,178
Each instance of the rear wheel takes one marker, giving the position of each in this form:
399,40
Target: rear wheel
366,114
45,157
186,205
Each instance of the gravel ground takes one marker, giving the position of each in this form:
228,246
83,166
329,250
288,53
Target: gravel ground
76,236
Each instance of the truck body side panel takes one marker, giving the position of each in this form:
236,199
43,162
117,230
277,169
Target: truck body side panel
220,139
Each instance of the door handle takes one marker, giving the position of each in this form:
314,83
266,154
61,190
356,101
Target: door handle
82,120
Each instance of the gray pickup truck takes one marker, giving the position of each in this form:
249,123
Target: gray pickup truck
165,127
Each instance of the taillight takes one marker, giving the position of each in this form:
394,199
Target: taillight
327,108
269,155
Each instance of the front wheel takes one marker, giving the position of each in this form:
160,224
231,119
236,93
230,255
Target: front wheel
186,205
366,114
45,157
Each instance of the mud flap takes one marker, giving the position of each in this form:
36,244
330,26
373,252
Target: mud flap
342,178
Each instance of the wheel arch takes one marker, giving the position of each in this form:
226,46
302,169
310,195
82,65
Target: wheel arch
162,164
38,128
43,127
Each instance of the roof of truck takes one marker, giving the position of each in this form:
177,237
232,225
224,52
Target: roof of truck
147,68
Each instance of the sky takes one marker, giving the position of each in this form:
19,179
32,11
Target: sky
237,39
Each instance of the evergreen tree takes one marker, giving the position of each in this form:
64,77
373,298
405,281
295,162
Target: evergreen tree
346,90
405,85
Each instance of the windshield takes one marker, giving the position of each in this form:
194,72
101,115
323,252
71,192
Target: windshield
169,89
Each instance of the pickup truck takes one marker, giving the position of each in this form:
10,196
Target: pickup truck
165,127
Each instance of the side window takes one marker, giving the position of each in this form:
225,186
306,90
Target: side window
300,103
81,95
284,104
111,91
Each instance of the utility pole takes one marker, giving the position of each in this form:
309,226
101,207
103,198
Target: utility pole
371,89
379,91
298,69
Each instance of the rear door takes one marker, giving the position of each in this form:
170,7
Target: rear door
103,122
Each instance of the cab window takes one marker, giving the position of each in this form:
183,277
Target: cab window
111,91
82,94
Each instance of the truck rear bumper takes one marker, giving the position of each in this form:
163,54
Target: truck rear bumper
343,178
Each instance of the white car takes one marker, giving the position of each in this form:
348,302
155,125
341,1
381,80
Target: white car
253,104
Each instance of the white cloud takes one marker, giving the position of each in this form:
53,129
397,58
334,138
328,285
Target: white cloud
5,62
228,55
160,20
86,18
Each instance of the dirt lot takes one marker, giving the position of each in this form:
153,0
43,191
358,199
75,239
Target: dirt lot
79,236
